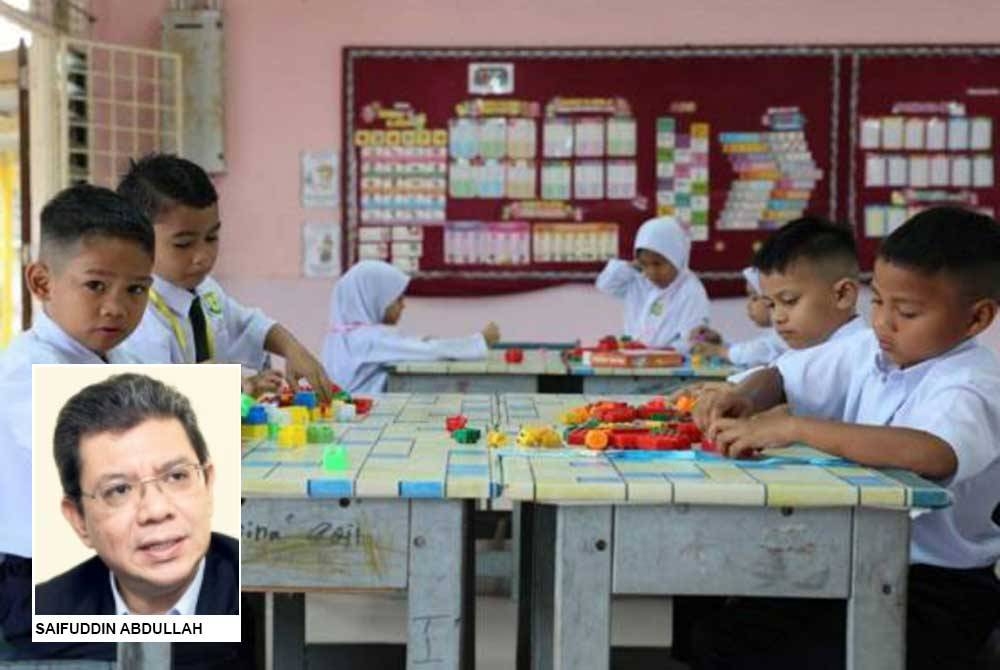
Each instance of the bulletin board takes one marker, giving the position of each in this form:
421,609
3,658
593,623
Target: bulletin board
924,133
481,171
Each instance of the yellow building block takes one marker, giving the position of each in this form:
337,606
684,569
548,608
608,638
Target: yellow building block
298,414
253,433
292,435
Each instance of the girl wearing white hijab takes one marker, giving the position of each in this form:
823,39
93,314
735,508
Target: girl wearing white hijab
664,300
365,306
760,350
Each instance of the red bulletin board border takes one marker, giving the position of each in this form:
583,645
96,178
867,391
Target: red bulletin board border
837,195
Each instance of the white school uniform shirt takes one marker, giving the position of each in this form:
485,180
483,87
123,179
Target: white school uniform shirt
954,396
857,324
236,332
659,317
45,342
186,605
760,350
359,347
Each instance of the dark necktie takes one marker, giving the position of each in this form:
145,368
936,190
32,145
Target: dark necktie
200,329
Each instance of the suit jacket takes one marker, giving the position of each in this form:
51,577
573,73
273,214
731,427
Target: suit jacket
86,588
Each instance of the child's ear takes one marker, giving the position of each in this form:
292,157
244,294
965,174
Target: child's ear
845,292
982,314
38,278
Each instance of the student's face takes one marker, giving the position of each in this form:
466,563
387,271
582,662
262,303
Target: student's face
758,309
807,307
187,244
96,293
656,268
154,543
394,311
917,317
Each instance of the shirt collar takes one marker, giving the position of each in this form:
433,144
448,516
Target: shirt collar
185,606
51,333
178,299
885,365
853,325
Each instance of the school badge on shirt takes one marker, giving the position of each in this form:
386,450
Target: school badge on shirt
211,301
656,308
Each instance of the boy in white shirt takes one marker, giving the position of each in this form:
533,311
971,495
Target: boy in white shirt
915,392
663,299
759,350
92,278
190,318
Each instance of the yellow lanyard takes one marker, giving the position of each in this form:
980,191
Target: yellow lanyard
175,324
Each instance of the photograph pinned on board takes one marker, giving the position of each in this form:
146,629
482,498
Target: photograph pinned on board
491,78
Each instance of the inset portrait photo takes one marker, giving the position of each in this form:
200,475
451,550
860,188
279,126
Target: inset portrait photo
136,503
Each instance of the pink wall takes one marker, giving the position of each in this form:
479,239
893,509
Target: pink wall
283,75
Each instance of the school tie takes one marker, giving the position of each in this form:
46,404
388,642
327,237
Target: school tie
200,329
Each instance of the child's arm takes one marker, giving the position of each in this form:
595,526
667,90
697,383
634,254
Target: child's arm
391,347
298,361
760,350
616,277
875,446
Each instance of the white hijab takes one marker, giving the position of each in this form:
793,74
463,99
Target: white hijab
357,307
666,237
752,275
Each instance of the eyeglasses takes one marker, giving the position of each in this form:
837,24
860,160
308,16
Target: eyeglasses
178,480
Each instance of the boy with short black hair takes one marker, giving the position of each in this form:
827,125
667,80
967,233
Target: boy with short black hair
92,277
915,392
190,318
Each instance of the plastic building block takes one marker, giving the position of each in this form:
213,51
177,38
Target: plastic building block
292,435
278,415
467,435
285,398
696,360
319,433
253,432
322,412
346,412
363,405
575,416
257,416
453,423
272,430
496,438
342,396
335,459
596,439
608,343
685,403
298,414
514,355
539,436
246,402
305,399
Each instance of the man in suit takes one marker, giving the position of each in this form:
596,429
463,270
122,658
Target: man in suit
137,488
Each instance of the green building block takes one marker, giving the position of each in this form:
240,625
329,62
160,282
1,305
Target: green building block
319,433
335,459
467,435
246,402
272,430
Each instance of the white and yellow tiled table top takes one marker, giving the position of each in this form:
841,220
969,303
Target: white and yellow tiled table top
402,450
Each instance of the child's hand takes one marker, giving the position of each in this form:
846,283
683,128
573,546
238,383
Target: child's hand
704,334
715,404
696,390
491,333
709,349
268,381
300,363
767,430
